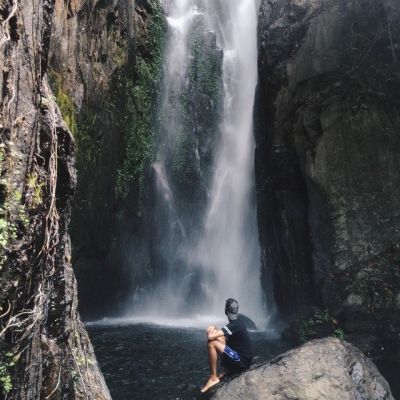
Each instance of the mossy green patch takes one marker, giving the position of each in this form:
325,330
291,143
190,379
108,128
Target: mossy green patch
140,95
120,57
205,69
64,102
125,106
191,113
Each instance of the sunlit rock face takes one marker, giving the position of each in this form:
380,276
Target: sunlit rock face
41,334
327,160
325,368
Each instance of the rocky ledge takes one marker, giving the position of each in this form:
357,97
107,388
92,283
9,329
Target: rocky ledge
321,369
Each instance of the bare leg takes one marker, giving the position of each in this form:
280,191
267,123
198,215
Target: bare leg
215,347
223,373
222,339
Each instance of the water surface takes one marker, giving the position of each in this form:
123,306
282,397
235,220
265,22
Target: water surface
144,361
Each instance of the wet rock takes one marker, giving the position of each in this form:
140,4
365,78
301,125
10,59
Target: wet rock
326,368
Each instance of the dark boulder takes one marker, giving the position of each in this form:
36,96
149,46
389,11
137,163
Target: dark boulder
320,369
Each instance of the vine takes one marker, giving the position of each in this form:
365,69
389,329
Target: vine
5,24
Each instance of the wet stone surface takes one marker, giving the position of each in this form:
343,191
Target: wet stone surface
143,362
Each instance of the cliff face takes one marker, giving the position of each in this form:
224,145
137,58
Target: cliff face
43,344
105,65
328,124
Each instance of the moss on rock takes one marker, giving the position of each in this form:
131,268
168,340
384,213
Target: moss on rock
63,100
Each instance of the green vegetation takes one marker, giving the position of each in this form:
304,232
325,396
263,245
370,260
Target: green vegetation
140,98
181,162
36,188
138,133
64,102
193,110
7,361
307,329
205,68
119,120
120,56
317,325
12,212
339,333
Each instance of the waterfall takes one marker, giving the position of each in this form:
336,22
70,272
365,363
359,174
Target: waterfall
229,247
206,241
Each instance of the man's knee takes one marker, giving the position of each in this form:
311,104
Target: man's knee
222,339
216,344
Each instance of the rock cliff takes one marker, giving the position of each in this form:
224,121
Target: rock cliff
327,133
105,67
321,369
44,348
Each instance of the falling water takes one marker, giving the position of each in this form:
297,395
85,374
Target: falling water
229,248
218,257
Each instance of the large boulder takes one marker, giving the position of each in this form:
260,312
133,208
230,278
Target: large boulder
321,369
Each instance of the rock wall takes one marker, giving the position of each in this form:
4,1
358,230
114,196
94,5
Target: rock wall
105,63
44,348
328,123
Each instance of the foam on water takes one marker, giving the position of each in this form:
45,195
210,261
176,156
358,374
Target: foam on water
199,322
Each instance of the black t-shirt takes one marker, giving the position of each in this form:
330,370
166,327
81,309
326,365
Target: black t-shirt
238,339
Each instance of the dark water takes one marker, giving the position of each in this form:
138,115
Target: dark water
153,362
143,361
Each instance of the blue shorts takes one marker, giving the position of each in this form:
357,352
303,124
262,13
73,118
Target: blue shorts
231,360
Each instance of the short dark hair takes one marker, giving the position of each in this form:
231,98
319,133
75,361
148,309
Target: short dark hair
232,308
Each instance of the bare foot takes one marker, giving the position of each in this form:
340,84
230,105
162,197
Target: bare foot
211,382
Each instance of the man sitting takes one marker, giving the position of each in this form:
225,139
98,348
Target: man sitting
238,355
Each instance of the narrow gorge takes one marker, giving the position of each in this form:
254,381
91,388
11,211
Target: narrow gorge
159,156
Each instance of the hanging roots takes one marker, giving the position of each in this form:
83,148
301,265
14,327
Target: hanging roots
5,24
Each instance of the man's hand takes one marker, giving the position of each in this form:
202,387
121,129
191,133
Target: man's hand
211,328
213,332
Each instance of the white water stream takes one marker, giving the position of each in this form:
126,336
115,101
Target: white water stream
227,250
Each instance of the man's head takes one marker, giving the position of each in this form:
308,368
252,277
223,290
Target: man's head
231,309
